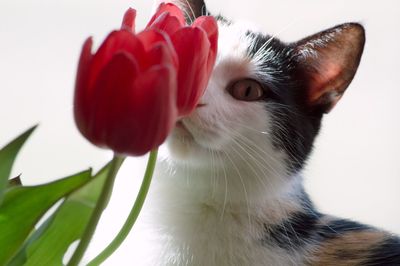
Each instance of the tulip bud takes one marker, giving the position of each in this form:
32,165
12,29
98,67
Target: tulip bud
125,93
196,47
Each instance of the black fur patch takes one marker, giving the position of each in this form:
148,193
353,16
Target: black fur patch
195,9
387,253
293,233
296,230
293,127
223,19
306,227
336,228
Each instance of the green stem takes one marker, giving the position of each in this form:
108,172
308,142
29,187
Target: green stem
130,221
115,164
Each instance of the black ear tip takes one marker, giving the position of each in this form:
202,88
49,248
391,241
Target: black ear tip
356,30
356,26
352,36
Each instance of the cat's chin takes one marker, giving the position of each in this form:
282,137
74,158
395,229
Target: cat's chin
183,147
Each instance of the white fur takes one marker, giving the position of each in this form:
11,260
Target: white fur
221,180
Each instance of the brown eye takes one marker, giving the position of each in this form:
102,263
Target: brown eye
246,90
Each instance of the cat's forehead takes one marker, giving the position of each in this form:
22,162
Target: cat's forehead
244,51
234,38
233,59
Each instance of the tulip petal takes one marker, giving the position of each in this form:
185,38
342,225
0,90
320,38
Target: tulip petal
172,9
154,110
167,23
128,22
126,93
209,25
110,100
133,113
192,47
159,49
116,41
81,98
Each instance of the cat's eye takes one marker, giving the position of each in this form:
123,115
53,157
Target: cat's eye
246,90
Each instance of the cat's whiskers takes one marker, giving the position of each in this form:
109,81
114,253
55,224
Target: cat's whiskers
262,179
186,167
249,144
191,10
213,177
252,168
239,136
294,247
285,28
283,109
260,161
204,11
252,146
277,113
270,171
290,147
247,127
226,186
213,173
243,185
291,244
188,16
283,132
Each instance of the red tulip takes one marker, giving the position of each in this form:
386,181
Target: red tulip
196,47
175,21
125,94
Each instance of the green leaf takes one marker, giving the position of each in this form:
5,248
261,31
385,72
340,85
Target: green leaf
24,206
7,158
66,225
20,258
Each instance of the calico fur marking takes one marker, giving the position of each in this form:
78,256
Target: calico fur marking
230,191
386,252
332,241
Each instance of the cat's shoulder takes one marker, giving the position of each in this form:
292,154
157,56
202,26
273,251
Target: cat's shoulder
345,242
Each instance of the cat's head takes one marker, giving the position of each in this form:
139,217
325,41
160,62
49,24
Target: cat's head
265,99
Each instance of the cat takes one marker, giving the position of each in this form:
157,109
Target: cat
229,189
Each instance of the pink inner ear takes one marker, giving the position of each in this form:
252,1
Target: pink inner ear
328,81
328,62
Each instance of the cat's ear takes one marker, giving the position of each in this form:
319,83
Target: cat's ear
192,8
328,61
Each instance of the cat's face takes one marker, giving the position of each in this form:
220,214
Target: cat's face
234,117
265,99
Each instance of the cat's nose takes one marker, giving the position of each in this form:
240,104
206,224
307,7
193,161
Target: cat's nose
200,105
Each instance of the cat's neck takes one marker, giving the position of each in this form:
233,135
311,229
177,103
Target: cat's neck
230,189
202,219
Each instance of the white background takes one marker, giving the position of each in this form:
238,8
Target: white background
354,171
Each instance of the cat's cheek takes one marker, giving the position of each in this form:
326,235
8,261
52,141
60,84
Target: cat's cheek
179,143
183,149
178,149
